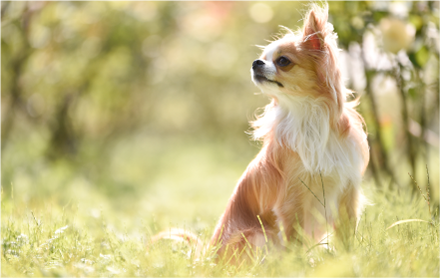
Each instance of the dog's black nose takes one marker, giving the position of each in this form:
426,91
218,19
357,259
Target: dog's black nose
257,63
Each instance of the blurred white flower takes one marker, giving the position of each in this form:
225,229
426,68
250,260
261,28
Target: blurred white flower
396,34
400,9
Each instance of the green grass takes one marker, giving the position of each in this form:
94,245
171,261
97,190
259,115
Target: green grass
57,222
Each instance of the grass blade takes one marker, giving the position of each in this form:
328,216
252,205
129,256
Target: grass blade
312,193
262,226
406,221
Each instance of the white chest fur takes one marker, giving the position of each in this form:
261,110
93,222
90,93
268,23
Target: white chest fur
303,125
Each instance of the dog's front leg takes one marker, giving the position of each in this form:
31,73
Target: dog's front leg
350,206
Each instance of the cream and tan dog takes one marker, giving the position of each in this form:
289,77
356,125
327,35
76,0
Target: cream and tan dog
313,139
309,131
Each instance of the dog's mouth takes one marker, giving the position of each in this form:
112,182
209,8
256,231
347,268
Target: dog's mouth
261,78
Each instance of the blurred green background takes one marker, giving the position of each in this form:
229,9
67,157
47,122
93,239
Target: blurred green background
138,110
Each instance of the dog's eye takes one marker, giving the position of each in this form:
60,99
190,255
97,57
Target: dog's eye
283,61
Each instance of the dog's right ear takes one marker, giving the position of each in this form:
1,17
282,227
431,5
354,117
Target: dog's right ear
315,27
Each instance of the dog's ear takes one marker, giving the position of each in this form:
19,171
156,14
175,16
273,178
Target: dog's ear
315,27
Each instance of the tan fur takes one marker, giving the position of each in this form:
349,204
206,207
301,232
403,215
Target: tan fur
271,186
310,135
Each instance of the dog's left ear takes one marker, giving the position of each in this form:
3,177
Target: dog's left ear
314,28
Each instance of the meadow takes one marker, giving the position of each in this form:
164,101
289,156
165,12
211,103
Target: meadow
124,119
79,231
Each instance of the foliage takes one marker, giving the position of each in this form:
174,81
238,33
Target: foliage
54,240
120,119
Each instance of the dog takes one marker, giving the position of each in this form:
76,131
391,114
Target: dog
308,173
314,146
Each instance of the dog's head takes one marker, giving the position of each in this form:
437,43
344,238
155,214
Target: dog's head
302,63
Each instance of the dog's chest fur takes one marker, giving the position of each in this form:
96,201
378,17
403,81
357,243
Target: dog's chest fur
303,126
314,154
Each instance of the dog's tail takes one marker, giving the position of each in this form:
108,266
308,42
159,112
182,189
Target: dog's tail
180,235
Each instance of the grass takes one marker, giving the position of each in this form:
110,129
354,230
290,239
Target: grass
57,222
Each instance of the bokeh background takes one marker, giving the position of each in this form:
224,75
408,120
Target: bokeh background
136,112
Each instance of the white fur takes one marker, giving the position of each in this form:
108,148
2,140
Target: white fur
270,69
269,51
304,125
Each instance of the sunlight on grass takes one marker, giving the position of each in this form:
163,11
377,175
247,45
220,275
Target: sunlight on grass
120,120
78,231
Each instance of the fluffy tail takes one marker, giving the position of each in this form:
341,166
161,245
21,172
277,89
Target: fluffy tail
180,235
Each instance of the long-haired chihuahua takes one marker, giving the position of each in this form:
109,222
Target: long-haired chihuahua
308,173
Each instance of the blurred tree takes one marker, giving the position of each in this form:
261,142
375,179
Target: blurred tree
404,54
80,76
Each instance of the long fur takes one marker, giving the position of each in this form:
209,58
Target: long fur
309,132
311,135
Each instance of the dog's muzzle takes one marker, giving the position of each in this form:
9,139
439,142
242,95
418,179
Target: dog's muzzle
257,64
259,74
